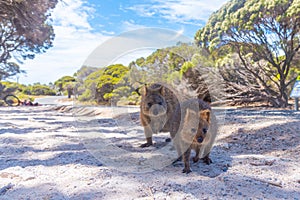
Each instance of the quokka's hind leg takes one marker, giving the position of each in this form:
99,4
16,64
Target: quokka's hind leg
196,157
178,149
148,134
186,159
206,159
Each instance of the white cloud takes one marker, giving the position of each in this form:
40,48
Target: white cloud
131,25
183,11
73,42
108,32
72,13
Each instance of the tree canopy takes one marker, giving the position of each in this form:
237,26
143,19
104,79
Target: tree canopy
109,81
265,36
24,32
65,84
100,85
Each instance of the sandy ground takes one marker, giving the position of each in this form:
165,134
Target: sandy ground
76,153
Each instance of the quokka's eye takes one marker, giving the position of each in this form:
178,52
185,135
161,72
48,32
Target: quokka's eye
149,104
160,103
193,130
204,130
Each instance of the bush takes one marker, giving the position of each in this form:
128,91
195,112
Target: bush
41,90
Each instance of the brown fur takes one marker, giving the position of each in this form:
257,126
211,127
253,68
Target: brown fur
193,127
156,110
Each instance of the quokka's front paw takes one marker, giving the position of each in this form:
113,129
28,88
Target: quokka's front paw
186,170
195,159
207,160
147,144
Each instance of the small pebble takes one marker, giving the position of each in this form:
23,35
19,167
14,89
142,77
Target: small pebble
225,169
226,145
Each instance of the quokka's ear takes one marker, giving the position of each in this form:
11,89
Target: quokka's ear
161,90
155,88
158,88
205,115
145,90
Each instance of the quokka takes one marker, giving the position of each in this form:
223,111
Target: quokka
193,127
156,110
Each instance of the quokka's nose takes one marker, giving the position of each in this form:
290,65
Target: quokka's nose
200,139
155,112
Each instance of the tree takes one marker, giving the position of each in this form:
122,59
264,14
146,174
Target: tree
24,32
87,90
82,88
84,72
185,66
7,87
38,89
261,39
108,82
159,66
65,83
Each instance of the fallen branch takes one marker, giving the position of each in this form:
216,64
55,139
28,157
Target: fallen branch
269,163
268,182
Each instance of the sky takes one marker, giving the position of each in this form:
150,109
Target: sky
98,33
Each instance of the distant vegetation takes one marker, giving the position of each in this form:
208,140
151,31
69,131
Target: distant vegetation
36,89
25,91
248,51
118,84
104,86
65,85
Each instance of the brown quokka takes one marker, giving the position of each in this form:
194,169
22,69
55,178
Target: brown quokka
193,127
156,110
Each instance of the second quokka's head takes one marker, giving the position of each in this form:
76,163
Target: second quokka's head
153,102
196,125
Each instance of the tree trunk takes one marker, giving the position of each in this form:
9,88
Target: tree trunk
69,90
283,94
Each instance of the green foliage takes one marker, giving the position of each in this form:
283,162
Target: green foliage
109,81
38,89
64,79
64,83
140,61
25,31
24,91
258,32
186,66
87,95
161,65
294,72
84,72
117,84
103,85
252,22
87,89
7,87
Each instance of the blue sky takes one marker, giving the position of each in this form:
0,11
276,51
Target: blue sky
83,25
